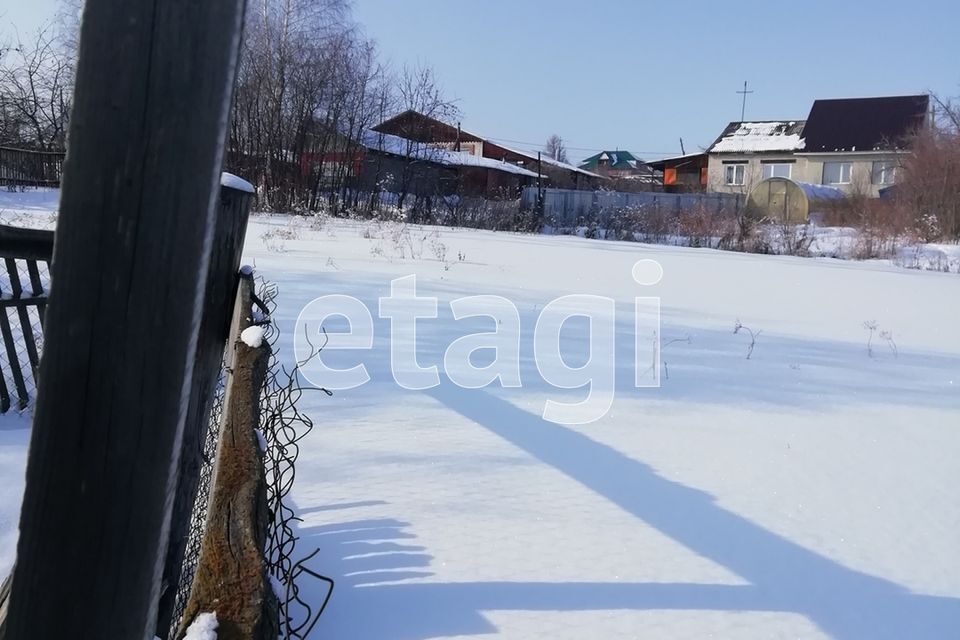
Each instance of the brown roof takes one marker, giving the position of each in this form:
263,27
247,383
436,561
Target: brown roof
863,124
416,126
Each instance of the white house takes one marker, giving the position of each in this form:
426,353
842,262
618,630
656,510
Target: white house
854,144
747,152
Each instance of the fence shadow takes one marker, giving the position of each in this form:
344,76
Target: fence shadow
846,604
782,575
379,566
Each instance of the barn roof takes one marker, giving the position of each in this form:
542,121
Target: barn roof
545,159
760,136
863,124
688,158
395,145
414,125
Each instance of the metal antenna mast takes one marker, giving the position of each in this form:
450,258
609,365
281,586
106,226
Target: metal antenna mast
743,107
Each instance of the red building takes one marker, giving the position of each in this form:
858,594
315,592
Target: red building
412,125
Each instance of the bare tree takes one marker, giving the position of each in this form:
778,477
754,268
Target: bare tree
304,74
928,178
36,86
555,148
309,85
418,90
67,27
309,88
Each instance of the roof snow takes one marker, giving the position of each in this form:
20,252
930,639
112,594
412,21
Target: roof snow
546,159
396,145
752,137
569,167
464,159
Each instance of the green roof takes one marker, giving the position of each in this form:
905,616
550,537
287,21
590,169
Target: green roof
618,160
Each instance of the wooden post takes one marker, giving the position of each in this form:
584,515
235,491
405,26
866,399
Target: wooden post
131,254
221,286
231,576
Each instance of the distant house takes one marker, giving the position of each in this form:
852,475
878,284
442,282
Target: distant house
398,165
682,174
416,126
626,171
747,152
380,162
854,144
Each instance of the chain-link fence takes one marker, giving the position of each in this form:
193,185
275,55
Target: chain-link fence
198,516
282,427
24,282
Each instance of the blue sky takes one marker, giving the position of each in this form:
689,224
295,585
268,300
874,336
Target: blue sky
638,75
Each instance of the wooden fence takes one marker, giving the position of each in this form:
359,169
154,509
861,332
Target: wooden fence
133,232
568,208
23,167
24,277
24,285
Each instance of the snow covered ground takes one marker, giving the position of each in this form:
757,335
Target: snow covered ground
808,492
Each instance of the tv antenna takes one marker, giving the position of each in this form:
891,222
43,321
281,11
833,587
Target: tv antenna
743,106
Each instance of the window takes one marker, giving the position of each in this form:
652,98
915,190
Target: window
777,170
837,172
884,172
735,174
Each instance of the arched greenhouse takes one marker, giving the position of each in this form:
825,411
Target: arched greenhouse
785,200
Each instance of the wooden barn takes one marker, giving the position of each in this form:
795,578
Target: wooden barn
391,163
683,174
412,125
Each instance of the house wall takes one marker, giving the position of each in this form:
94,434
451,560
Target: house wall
716,169
861,174
806,168
395,174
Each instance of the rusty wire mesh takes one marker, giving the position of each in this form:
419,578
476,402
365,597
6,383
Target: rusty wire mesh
198,516
282,426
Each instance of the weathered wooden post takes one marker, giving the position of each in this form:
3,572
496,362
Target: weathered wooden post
131,255
233,210
231,576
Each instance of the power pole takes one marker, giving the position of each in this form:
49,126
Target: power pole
682,152
132,252
539,185
743,106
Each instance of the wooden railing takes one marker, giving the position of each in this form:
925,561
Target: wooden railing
23,167
24,274
25,256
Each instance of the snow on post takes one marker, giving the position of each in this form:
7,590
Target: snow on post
235,182
252,336
204,627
